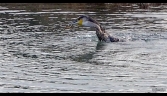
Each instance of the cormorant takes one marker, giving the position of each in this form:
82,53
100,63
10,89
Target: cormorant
102,35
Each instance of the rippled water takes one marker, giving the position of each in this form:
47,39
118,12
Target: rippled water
38,54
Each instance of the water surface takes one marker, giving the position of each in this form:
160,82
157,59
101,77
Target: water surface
39,54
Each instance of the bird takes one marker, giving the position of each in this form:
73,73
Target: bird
87,21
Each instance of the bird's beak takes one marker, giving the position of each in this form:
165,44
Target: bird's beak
74,22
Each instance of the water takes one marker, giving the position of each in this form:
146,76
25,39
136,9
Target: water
39,54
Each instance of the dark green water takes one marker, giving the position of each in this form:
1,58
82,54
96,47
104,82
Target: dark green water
39,54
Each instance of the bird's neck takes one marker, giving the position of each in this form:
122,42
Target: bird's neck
98,28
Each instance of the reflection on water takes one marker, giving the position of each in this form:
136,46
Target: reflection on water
88,56
39,54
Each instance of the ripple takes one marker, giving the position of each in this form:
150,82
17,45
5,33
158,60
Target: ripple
39,55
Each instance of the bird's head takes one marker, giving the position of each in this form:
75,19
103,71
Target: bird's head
84,20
